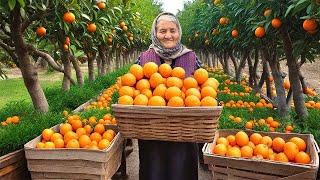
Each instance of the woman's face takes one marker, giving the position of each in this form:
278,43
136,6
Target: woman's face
167,34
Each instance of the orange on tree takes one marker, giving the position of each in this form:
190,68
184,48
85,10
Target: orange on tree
41,31
69,17
260,32
310,25
267,12
101,5
234,33
91,27
276,23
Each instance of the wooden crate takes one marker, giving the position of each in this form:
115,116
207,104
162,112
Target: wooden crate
13,166
245,168
182,124
73,163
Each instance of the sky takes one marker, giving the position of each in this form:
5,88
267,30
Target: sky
172,5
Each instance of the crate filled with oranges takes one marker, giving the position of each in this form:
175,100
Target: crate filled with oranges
161,103
71,151
236,154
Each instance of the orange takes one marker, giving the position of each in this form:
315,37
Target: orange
251,144
246,151
178,72
193,91
68,17
49,144
15,119
99,128
310,24
95,137
149,69
175,101
126,90
160,90
223,140
190,82
278,144
274,124
267,12
269,120
299,142
108,136
289,128
220,149
286,84
136,93
46,134
58,143
171,92
291,150
261,149
64,128
242,138
84,141
165,70
91,27
174,81
137,71
125,100
69,136
40,145
73,144
104,143
147,92
208,91
212,82
276,23
249,125
232,140
281,157
141,99
56,136
201,75
260,32
101,5
266,140
155,80
192,100
76,124
128,80
156,101
303,158
143,84
41,31
110,131
88,129
233,152
209,101
234,33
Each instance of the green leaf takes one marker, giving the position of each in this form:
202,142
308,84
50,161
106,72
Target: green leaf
104,19
22,3
86,16
23,13
289,10
12,4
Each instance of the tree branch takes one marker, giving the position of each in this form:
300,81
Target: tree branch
10,51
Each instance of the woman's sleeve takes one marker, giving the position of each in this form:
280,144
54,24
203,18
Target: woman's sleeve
198,63
137,61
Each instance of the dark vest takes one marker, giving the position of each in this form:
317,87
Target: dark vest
186,61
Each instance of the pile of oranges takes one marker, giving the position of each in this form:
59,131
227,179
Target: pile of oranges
243,104
153,85
104,99
79,133
262,147
11,120
312,104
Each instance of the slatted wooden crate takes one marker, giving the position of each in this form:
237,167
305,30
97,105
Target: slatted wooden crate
254,169
73,163
182,124
13,166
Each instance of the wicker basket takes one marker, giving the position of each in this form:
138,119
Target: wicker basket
181,124
244,168
73,163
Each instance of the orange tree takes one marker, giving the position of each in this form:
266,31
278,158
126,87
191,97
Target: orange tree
273,29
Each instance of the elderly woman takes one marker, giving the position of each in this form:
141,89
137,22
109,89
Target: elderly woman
162,160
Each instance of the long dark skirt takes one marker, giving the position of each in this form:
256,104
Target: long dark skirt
162,160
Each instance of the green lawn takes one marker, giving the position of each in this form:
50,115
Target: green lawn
15,90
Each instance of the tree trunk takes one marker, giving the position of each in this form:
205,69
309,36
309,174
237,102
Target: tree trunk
102,54
225,62
76,67
67,69
241,66
29,73
268,84
252,76
255,65
91,56
283,108
294,69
